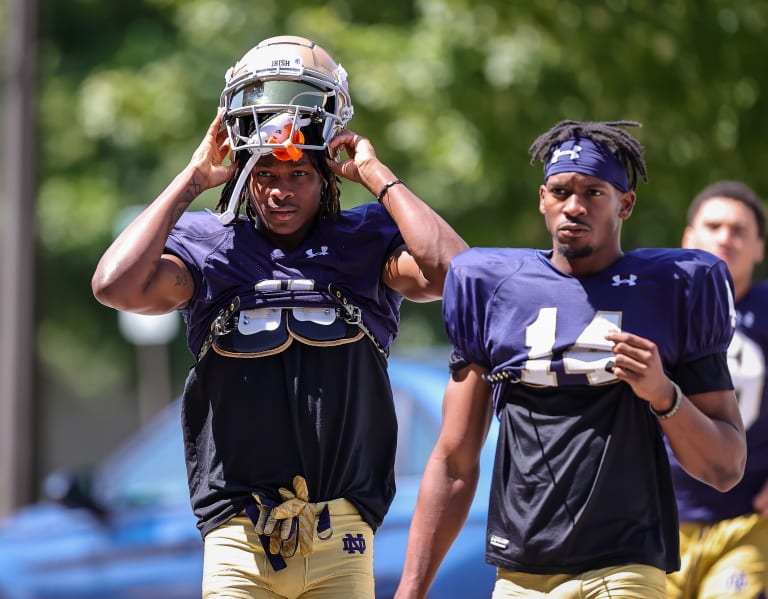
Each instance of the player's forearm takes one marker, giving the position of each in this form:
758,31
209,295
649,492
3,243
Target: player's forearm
441,510
710,448
430,239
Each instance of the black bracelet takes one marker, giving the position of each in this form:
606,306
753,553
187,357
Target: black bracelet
386,188
675,404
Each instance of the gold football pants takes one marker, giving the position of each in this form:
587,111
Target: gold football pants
236,566
724,560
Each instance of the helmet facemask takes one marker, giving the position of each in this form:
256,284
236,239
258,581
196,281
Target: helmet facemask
283,85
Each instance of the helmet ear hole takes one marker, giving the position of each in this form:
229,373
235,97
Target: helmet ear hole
330,104
313,134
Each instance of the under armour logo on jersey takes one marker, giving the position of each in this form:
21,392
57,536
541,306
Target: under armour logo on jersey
352,544
311,253
573,153
630,281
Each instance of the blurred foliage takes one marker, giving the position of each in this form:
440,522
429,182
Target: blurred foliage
452,92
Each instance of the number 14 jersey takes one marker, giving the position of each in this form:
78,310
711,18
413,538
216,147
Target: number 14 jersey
581,479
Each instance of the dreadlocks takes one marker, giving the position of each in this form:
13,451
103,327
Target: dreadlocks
626,148
330,193
330,205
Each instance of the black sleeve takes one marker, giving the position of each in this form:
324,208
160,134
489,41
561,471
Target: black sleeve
456,362
709,373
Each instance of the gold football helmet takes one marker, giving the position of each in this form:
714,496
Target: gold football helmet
286,93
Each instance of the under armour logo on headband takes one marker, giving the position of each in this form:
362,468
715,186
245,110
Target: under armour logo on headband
573,153
588,157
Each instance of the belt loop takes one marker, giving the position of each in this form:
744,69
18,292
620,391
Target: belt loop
324,526
275,560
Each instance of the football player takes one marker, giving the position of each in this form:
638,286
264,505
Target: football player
724,536
291,305
588,356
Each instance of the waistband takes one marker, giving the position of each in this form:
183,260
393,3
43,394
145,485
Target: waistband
336,507
339,507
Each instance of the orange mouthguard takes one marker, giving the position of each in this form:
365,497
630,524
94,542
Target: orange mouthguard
289,151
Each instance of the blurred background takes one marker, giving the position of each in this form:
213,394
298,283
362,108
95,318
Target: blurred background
104,103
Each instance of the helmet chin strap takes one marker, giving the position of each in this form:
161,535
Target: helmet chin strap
228,215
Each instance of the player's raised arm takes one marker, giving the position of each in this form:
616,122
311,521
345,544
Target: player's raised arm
134,274
418,270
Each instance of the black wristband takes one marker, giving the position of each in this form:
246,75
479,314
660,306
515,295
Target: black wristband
675,404
386,188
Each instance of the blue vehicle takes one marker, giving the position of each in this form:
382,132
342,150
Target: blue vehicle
125,530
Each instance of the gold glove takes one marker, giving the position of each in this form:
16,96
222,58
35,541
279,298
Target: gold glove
290,524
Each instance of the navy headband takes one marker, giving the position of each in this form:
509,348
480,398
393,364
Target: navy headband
582,155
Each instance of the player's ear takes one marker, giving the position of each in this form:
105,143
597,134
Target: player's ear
627,204
542,193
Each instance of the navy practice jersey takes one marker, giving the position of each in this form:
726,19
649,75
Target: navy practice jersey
581,479
230,260
698,502
320,410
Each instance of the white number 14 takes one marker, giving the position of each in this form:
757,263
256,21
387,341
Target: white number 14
588,355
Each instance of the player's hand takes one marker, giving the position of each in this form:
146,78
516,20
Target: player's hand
208,158
361,156
637,362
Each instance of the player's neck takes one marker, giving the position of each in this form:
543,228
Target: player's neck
580,265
